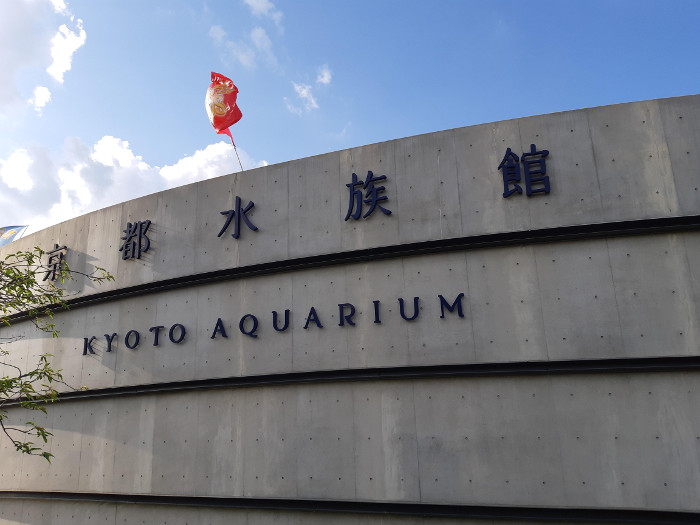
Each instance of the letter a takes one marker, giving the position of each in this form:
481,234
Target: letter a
219,328
313,316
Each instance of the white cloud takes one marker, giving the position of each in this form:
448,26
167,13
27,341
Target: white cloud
246,53
263,43
213,161
111,151
37,191
243,53
324,75
292,108
34,39
63,45
340,135
14,171
74,188
217,34
267,9
59,6
24,43
303,91
41,97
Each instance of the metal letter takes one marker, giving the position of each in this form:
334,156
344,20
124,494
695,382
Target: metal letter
219,328
343,317
109,340
172,331
252,331
286,321
444,304
313,316
415,309
126,339
87,345
155,329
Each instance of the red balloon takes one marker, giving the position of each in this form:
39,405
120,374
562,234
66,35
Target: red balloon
221,104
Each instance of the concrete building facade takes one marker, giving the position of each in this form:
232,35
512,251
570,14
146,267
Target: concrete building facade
495,323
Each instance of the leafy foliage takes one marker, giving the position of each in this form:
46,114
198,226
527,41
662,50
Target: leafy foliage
24,289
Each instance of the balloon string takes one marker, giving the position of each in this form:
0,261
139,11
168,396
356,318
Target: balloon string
228,132
239,159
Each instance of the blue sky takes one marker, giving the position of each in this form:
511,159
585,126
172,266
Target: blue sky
102,101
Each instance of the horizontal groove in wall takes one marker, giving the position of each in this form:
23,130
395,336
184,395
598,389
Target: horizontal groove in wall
494,240
580,515
522,368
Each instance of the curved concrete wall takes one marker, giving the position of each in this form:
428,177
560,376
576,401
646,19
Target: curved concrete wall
548,370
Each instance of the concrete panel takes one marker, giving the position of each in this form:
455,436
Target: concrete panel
621,440
135,444
692,252
651,288
174,233
579,306
679,117
506,305
325,458
66,349
317,205
428,192
486,441
220,449
103,436
103,244
30,471
174,450
13,472
445,171
631,157
66,444
269,434
386,450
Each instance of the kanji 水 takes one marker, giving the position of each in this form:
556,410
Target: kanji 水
238,214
